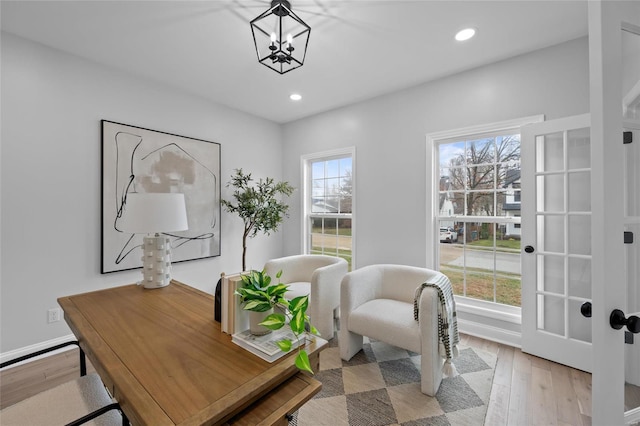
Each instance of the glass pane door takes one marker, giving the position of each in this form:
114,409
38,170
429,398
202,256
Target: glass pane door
557,250
631,111
563,216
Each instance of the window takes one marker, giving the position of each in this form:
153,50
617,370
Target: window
478,176
328,212
477,182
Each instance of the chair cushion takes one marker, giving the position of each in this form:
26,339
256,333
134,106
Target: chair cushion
397,327
63,404
298,289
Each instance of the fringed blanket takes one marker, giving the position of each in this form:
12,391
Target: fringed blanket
448,336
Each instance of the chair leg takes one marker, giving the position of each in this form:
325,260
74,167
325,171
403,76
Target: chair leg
350,344
83,362
324,324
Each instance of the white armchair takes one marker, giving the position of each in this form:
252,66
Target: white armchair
319,277
377,301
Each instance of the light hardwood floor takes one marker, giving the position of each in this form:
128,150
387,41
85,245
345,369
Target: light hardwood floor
527,390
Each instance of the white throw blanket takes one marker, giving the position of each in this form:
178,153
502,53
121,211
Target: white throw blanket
448,336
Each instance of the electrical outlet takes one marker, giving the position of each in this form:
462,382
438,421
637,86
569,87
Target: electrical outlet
53,315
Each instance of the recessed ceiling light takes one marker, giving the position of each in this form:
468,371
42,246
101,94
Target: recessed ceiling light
295,97
465,34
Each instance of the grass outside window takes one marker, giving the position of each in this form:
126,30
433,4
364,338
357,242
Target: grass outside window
479,285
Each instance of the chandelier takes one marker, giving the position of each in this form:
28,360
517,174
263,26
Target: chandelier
281,37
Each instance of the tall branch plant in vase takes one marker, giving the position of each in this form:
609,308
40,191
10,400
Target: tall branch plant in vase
258,294
258,205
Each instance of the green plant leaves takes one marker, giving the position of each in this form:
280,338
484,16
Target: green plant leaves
277,290
297,322
284,345
257,203
248,292
257,306
258,294
299,304
302,362
257,280
274,321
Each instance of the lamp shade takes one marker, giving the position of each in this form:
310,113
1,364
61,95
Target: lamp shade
154,212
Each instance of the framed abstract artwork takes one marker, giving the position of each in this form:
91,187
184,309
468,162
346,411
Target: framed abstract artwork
140,160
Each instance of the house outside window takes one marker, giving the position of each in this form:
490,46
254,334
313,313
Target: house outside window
512,202
328,212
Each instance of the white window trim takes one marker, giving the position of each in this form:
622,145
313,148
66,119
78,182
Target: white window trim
511,314
506,313
305,160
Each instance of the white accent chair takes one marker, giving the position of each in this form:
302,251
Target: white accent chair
377,301
319,277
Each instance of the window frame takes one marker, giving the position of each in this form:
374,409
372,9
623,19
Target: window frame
494,310
305,167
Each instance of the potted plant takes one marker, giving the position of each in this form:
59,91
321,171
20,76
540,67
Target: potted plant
257,205
260,298
258,294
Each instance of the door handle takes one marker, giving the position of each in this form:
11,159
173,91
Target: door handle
585,309
529,249
617,320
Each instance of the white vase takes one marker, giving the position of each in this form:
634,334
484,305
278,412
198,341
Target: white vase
255,318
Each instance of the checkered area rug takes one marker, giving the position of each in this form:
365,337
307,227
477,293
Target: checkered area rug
380,385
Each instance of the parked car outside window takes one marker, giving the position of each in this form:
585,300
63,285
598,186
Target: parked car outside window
448,235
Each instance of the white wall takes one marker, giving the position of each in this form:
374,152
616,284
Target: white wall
392,201
52,104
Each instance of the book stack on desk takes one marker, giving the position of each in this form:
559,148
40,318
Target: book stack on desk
266,346
234,318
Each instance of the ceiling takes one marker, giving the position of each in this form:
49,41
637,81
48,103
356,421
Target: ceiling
358,49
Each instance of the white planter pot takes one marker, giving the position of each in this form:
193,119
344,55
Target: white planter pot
255,318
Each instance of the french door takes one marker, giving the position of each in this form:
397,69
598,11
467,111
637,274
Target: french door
556,240
631,211
614,55
631,190
580,213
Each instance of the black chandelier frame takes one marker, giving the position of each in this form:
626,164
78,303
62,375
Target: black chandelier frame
279,54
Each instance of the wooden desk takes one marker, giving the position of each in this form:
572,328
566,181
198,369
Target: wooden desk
164,359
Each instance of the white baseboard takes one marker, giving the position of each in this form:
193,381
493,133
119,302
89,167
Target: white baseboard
487,332
8,356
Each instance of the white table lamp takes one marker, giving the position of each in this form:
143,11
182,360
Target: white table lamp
154,213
